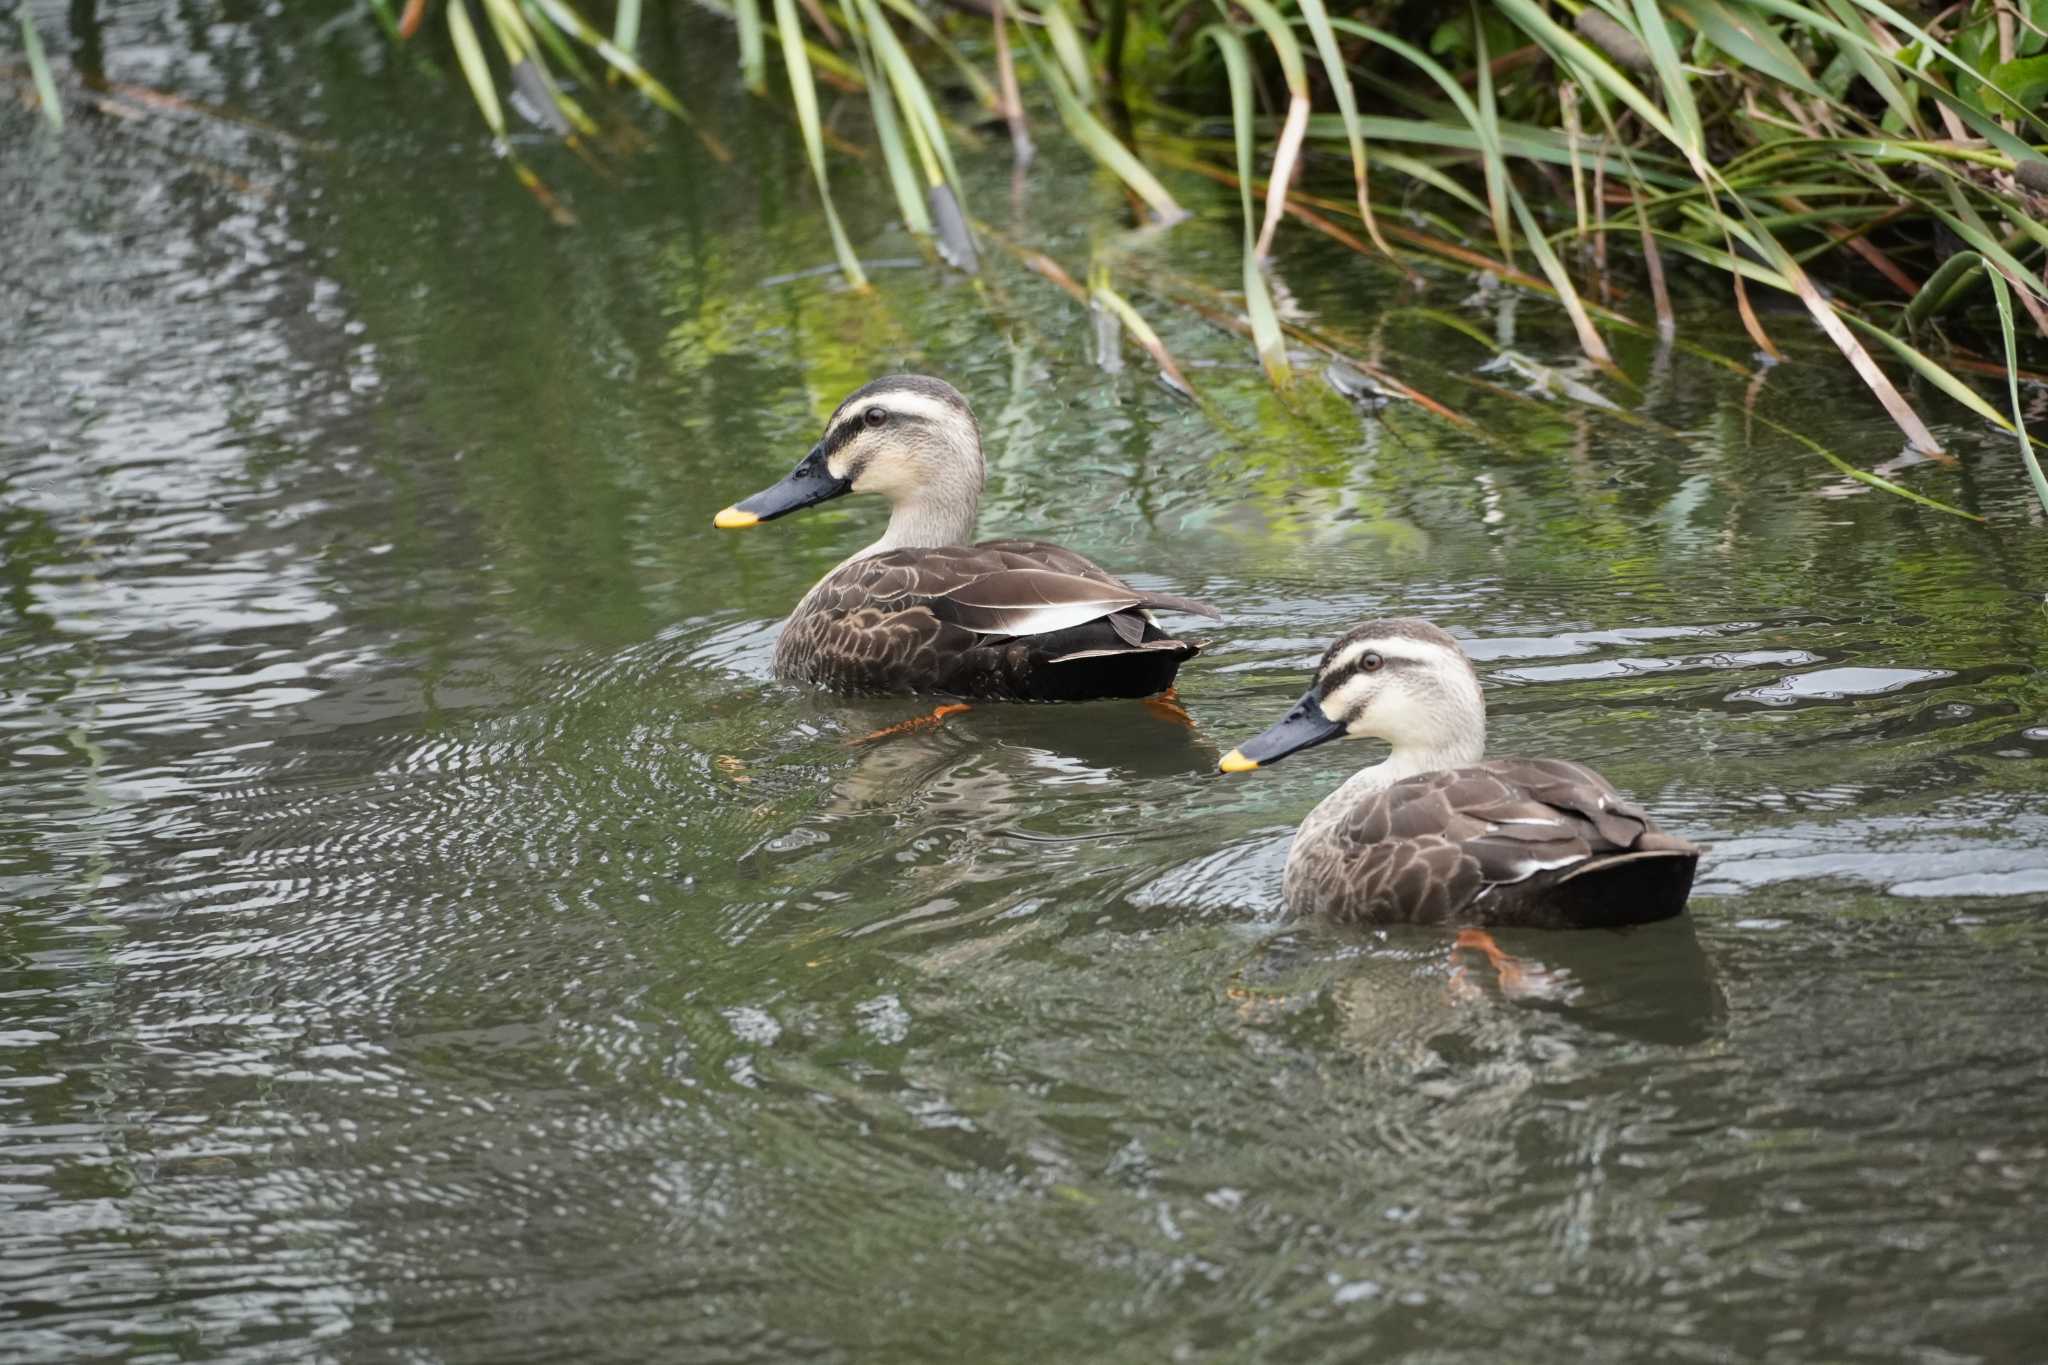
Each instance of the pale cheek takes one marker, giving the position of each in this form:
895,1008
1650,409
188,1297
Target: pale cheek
1344,701
1393,713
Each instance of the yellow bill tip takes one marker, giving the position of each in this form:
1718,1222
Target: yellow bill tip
1236,762
733,519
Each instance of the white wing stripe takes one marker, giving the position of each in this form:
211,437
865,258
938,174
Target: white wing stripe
1043,619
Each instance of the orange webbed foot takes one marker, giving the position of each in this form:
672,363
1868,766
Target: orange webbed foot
1167,706
914,724
1517,979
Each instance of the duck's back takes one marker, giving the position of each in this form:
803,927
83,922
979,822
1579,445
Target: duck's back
1510,841
1012,620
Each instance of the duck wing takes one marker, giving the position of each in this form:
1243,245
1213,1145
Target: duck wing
1028,601
1039,554
984,620
1498,842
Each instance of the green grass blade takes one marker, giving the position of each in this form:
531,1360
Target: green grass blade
1287,149
946,195
558,44
626,26
903,178
1318,20
1515,140
1870,62
927,132
1864,475
550,105
1100,143
1484,133
1965,223
753,64
984,91
1685,115
1486,122
1414,168
1554,271
469,54
39,68
1258,300
1068,47
624,64
804,94
1751,42
1830,319
1935,373
1934,294
1592,68
2012,388
386,20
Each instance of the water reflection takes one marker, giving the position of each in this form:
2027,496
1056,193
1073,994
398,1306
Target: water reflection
425,927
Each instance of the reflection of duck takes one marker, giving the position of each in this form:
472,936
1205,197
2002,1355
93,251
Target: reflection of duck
1653,983
1086,747
921,610
1399,1004
1433,834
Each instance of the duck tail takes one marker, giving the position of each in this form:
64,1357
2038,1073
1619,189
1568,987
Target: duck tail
1166,601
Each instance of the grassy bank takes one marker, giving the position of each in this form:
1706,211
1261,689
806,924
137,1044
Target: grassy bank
1877,163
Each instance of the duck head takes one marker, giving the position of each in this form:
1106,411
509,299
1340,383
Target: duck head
1399,680
910,438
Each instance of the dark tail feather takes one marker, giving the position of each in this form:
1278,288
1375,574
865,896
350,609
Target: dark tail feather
1184,649
1141,670
1628,888
1166,601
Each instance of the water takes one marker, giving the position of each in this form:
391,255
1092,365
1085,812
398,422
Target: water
429,934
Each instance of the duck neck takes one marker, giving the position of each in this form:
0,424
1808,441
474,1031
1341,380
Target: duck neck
1406,760
936,516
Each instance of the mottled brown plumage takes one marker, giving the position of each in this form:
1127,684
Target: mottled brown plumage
920,611
1437,835
1509,841
939,620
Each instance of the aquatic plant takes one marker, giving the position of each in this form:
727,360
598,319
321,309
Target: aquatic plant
1880,169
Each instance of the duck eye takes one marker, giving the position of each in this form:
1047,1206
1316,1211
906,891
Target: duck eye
1371,662
875,417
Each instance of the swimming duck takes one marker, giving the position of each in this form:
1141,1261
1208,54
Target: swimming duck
923,611
1436,833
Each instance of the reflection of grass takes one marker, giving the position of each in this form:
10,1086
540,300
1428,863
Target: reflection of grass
1769,141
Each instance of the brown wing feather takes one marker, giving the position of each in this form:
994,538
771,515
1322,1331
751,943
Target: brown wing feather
1494,842
1041,554
1006,619
1026,601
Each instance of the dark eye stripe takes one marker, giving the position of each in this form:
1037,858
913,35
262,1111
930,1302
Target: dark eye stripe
852,424
1330,682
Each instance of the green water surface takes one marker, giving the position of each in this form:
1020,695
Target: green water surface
427,933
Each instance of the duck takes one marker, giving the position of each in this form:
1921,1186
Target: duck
1437,833
923,611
